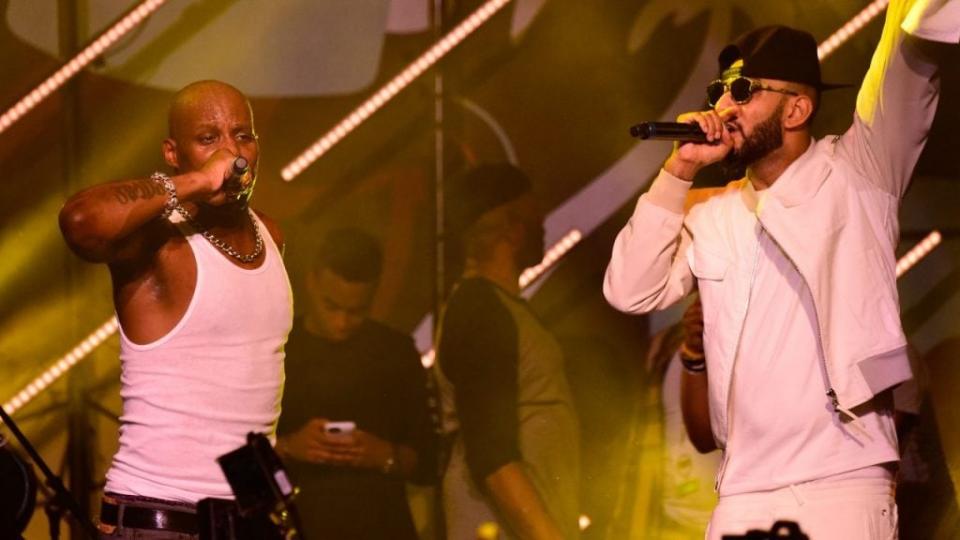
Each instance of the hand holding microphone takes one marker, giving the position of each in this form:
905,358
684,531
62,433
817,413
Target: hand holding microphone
701,138
668,131
234,185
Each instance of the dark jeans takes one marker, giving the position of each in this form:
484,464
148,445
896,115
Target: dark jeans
128,533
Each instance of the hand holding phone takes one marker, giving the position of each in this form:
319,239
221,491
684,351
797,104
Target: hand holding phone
342,429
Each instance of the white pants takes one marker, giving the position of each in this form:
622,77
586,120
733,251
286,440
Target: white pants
852,509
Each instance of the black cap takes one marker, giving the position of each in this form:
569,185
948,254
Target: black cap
777,52
477,191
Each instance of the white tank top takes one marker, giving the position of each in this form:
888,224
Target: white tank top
194,394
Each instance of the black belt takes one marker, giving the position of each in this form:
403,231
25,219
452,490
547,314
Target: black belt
137,517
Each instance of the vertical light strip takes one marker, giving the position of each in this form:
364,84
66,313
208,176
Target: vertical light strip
852,27
126,23
392,88
550,258
62,365
918,252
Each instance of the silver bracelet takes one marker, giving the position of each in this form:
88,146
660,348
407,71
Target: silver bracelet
167,183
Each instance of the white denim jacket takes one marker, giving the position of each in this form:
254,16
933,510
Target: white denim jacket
833,212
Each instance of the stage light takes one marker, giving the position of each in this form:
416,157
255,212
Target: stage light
62,365
392,88
852,27
126,23
550,258
918,252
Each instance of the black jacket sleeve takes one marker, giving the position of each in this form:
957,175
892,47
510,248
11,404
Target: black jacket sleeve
478,353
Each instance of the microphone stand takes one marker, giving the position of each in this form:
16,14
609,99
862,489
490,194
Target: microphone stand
62,498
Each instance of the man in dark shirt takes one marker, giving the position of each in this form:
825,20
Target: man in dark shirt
506,402
344,367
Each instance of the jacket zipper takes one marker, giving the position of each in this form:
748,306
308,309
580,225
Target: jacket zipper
855,422
736,354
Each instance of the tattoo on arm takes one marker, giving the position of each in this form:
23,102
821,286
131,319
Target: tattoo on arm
128,192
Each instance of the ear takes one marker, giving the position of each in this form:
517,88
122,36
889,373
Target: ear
170,153
799,112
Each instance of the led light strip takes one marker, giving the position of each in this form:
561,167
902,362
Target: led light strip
62,365
918,252
550,258
126,23
853,26
392,88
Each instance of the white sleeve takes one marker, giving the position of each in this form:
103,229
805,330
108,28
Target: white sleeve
648,269
899,94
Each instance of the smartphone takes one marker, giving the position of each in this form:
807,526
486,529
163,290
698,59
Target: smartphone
339,429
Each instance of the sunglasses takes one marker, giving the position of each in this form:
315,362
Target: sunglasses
741,90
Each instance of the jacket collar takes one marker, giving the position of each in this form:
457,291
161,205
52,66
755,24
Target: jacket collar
798,183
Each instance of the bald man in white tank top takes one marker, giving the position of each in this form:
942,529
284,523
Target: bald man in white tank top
204,306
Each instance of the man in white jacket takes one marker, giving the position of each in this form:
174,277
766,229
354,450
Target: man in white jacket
795,266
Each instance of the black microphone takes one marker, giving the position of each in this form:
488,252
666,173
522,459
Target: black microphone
234,182
669,131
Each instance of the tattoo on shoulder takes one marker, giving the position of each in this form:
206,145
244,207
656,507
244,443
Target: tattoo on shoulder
128,192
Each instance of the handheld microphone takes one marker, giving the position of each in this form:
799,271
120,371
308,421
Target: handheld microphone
669,131
234,183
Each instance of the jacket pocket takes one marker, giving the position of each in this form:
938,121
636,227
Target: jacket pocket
708,265
710,270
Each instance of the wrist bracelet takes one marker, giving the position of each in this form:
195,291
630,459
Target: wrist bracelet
167,184
693,365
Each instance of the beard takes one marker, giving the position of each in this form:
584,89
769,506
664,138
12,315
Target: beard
766,137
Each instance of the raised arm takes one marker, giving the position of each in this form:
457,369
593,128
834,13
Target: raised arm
111,222
899,94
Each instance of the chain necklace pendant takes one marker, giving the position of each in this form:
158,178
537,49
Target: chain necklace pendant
220,244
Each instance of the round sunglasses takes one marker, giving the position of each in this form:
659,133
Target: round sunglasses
741,90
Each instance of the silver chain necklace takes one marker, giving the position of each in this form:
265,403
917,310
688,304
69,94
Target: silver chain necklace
220,244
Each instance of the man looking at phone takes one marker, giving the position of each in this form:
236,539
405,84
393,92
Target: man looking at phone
354,423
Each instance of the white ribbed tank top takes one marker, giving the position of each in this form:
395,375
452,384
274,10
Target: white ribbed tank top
194,394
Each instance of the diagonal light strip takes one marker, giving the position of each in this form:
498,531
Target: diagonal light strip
126,23
392,88
918,252
62,365
853,26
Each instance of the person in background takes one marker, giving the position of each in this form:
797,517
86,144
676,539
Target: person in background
507,406
344,368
